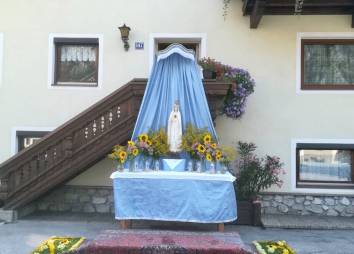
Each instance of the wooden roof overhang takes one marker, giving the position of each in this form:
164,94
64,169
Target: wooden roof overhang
257,8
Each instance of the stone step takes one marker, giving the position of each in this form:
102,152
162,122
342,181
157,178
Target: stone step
8,216
307,222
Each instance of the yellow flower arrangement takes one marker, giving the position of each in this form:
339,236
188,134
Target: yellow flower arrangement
143,137
149,142
121,154
135,151
158,142
279,247
201,148
208,157
207,139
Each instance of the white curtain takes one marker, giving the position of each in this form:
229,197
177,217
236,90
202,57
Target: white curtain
78,54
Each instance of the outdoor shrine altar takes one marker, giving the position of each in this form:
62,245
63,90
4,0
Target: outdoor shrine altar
173,168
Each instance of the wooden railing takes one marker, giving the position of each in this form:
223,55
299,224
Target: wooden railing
79,143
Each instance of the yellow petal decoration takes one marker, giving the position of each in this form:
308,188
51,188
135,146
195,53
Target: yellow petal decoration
201,148
143,137
208,157
207,138
135,152
131,143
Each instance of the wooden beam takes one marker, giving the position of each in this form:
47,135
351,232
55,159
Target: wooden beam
353,21
257,13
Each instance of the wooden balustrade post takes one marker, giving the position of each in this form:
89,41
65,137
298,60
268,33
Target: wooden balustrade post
68,146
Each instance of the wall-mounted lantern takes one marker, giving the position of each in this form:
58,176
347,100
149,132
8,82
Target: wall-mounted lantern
124,31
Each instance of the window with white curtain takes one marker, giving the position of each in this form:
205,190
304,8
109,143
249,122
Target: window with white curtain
327,64
76,62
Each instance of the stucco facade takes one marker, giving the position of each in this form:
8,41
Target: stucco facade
276,115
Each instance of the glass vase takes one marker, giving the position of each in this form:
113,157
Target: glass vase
120,167
199,166
190,165
157,165
223,169
146,164
212,168
131,165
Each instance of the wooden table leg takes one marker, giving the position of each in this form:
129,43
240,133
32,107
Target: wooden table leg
221,227
125,224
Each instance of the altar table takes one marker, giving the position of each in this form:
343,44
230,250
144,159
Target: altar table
174,196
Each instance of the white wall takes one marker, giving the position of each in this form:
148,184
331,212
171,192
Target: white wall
275,112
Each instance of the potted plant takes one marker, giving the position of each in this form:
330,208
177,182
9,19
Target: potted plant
254,174
209,66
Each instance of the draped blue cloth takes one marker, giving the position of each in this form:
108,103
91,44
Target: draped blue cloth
175,77
164,199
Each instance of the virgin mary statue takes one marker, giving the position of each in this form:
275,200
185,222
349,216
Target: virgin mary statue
174,129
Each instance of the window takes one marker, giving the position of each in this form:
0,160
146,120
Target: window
27,138
327,64
76,62
325,165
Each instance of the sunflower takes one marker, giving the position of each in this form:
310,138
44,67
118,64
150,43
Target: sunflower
201,148
149,142
131,143
213,145
122,155
143,137
218,153
218,157
122,161
135,152
207,138
208,157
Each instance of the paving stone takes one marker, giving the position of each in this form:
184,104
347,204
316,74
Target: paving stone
329,201
307,202
265,203
288,201
339,208
317,201
103,192
298,207
332,212
309,198
278,198
267,197
102,208
283,208
314,208
350,210
88,208
299,199
85,198
71,197
345,201
62,207
99,200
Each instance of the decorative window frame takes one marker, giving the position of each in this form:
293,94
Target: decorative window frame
187,37
321,190
1,56
317,35
51,60
14,139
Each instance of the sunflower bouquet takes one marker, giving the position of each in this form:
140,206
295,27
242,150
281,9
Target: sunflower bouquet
119,154
144,144
159,143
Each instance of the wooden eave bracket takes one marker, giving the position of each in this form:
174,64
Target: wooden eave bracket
257,13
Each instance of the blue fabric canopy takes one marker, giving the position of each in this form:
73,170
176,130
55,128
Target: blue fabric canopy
175,76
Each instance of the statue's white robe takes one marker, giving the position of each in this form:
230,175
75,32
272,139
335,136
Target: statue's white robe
174,131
